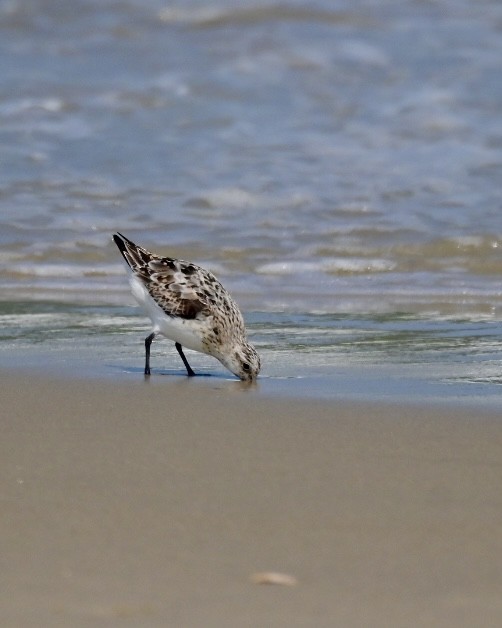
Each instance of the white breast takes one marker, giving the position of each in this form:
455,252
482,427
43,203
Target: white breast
188,332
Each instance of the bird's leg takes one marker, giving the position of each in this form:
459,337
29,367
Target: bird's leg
148,342
185,361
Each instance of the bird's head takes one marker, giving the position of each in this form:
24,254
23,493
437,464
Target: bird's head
243,361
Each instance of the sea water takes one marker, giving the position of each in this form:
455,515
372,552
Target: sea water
337,164
387,358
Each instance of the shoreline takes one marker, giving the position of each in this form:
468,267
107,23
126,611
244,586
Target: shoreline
361,384
400,359
156,504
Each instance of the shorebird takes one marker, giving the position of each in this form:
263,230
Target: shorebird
188,305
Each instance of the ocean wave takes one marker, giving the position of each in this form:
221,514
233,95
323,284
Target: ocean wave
223,16
334,265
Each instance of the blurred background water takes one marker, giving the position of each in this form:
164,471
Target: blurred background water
326,157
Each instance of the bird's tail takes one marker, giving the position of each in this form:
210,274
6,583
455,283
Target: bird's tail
134,255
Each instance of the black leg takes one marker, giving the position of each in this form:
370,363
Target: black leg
148,342
185,361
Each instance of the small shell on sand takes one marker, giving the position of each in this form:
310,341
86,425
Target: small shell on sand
273,577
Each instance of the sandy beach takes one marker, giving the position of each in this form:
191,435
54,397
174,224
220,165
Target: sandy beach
154,503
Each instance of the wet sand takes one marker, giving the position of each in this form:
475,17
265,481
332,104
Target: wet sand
153,504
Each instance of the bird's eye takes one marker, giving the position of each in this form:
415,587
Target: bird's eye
246,367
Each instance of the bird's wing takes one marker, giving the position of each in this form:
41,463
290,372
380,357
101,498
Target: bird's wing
175,287
180,288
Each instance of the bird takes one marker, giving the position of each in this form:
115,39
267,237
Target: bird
188,305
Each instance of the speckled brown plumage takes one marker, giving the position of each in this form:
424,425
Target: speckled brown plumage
192,301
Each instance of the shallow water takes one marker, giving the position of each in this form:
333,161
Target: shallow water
333,158
399,357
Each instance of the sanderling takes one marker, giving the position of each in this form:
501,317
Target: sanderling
189,305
